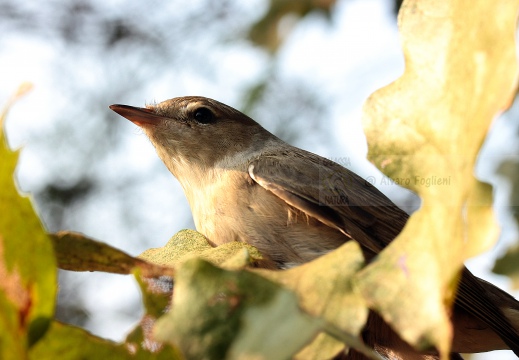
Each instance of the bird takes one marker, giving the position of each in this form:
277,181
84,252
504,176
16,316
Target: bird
245,184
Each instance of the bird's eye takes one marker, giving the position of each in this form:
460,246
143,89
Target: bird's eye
203,115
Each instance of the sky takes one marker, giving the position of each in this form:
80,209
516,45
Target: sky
369,58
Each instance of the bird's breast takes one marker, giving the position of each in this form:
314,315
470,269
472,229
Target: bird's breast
232,207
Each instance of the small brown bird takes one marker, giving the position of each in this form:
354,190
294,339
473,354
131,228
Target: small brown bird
245,184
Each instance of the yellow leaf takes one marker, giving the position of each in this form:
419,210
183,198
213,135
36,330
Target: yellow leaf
187,244
27,265
427,127
65,342
324,287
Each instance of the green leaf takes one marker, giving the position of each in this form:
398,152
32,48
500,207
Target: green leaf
77,252
65,342
187,244
156,296
323,346
326,289
266,31
275,324
27,265
425,130
221,314
508,264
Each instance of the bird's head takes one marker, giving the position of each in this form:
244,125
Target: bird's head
196,132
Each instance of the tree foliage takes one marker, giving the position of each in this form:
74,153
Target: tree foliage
203,302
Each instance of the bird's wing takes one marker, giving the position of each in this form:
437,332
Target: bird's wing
332,194
341,199
488,303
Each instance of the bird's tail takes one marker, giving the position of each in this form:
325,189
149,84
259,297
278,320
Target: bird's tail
491,305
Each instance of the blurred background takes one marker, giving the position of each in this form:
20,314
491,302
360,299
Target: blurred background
302,68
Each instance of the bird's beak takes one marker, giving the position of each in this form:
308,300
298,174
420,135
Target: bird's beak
139,116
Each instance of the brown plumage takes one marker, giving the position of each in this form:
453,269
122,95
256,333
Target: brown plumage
245,184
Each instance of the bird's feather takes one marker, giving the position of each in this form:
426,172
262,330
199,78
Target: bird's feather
332,194
343,200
